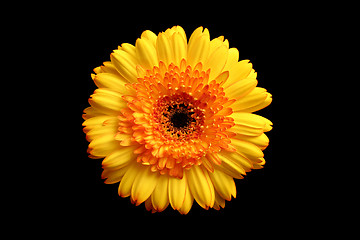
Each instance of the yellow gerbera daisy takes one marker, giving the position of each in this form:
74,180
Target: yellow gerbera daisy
173,119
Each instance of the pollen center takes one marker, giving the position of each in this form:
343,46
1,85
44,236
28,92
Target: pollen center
181,119
178,117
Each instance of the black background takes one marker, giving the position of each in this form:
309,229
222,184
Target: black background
262,193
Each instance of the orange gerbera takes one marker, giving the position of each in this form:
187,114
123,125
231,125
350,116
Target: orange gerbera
173,120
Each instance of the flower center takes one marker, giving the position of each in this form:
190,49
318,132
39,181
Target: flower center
181,119
178,117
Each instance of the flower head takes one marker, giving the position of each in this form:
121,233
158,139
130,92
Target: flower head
173,120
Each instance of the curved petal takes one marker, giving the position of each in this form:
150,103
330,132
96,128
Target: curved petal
146,53
113,176
238,71
255,98
230,167
246,148
103,145
222,77
217,61
128,179
106,129
107,101
131,50
119,158
181,31
95,122
241,88
125,64
201,186
199,47
177,191
112,81
233,57
91,112
238,159
164,49
263,104
160,196
246,130
188,201
224,184
150,36
219,202
108,67
144,184
248,119
179,48
261,141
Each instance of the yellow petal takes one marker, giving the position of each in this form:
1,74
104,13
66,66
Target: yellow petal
251,100
215,43
124,139
246,130
91,112
263,104
268,125
144,184
113,175
252,74
197,33
149,206
222,77
237,72
181,31
252,120
224,184
188,201
219,202
119,158
199,47
112,81
128,179
96,121
131,50
241,88
179,48
216,61
230,167
170,31
259,165
125,64
146,53
109,68
201,186
233,57
261,141
160,196
164,49
207,164
109,129
97,70
177,191
150,36
246,148
101,141
249,119
238,159
103,145
107,101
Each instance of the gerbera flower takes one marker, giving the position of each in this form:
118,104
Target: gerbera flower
173,120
